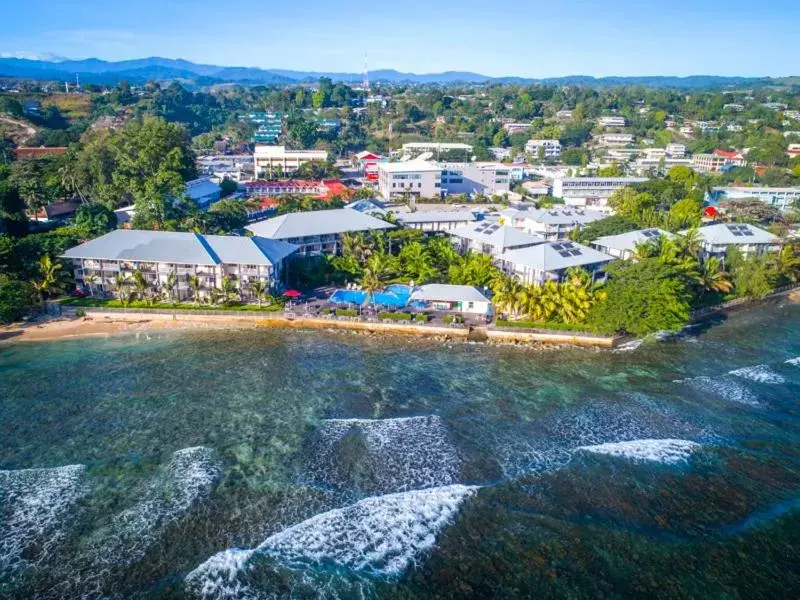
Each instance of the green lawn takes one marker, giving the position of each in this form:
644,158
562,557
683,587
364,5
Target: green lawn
113,303
545,325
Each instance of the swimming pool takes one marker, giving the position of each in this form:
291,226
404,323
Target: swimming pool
392,295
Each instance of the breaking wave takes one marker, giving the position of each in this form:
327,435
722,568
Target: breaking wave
726,388
793,361
668,451
758,373
188,476
380,536
33,505
629,346
385,455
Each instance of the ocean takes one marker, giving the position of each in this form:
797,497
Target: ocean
291,464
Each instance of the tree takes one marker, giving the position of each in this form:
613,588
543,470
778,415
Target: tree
50,278
786,263
415,262
95,219
228,289
613,225
228,186
140,284
642,297
122,284
685,213
713,278
227,215
194,285
753,276
16,298
259,289
12,210
170,288
630,203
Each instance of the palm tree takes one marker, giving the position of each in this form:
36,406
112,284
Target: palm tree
228,288
50,277
416,263
169,287
787,263
121,282
194,285
506,295
690,243
259,289
712,277
140,283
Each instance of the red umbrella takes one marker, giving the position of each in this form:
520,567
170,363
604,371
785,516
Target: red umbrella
292,294
710,211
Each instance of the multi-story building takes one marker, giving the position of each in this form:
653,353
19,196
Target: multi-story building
660,165
779,197
564,114
317,232
611,121
549,148
434,221
269,125
267,159
590,191
717,239
733,107
410,179
235,167
615,139
489,237
676,150
325,189
550,223
367,162
162,256
717,161
436,149
475,177
550,262
517,127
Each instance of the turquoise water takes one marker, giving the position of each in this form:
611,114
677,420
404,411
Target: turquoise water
394,295
289,464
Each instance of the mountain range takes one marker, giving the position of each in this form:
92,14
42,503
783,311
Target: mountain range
137,71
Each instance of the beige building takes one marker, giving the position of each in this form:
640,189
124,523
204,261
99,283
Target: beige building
270,158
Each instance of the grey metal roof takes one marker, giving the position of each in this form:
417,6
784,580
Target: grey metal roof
629,240
183,248
494,234
735,233
555,256
447,293
560,215
200,188
437,216
319,222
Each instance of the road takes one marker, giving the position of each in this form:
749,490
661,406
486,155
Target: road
30,131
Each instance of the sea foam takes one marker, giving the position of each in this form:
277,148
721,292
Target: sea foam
668,451
33,505
759,373
384,455
724,387
380,535
793,361
188,476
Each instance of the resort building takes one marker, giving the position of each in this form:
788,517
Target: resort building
488,237
462,298
410,179
317,232
719,160
718,239
267,159
550,261
203,191
590,191
550,223
159,254
475,178
433,221
779,197
624,245
612,121
676,150
615,139
550,148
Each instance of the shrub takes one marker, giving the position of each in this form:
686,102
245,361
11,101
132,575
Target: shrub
344,312
448,319
420,318
325,311
80,313
399,316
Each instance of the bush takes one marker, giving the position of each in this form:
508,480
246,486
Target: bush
399,316
80,313
325,311
420,318
344,312
448,319
16,298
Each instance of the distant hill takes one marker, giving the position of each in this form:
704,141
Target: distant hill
94,70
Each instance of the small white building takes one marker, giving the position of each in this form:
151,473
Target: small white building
550,262
624,245
203,191
461,298
410,179
554,223
439,220
615,139
612,121
676,150
591,192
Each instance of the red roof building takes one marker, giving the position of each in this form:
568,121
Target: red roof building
733,157
321,190
39,152
368,163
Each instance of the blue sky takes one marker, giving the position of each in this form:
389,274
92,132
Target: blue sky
533,38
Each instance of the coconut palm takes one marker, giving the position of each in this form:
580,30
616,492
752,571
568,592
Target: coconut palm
712,277
194,285
50,278
228,289
170,290
690,243
259,289
416,262
787,263
140,284
506,295
121,283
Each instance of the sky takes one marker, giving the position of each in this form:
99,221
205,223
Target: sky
528,39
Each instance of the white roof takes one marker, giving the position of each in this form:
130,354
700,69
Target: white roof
555,256
558,215
436,145
409,166
437,216
735,233
184,248
758,189
318,222
494,234
447,293
200,188
629,240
